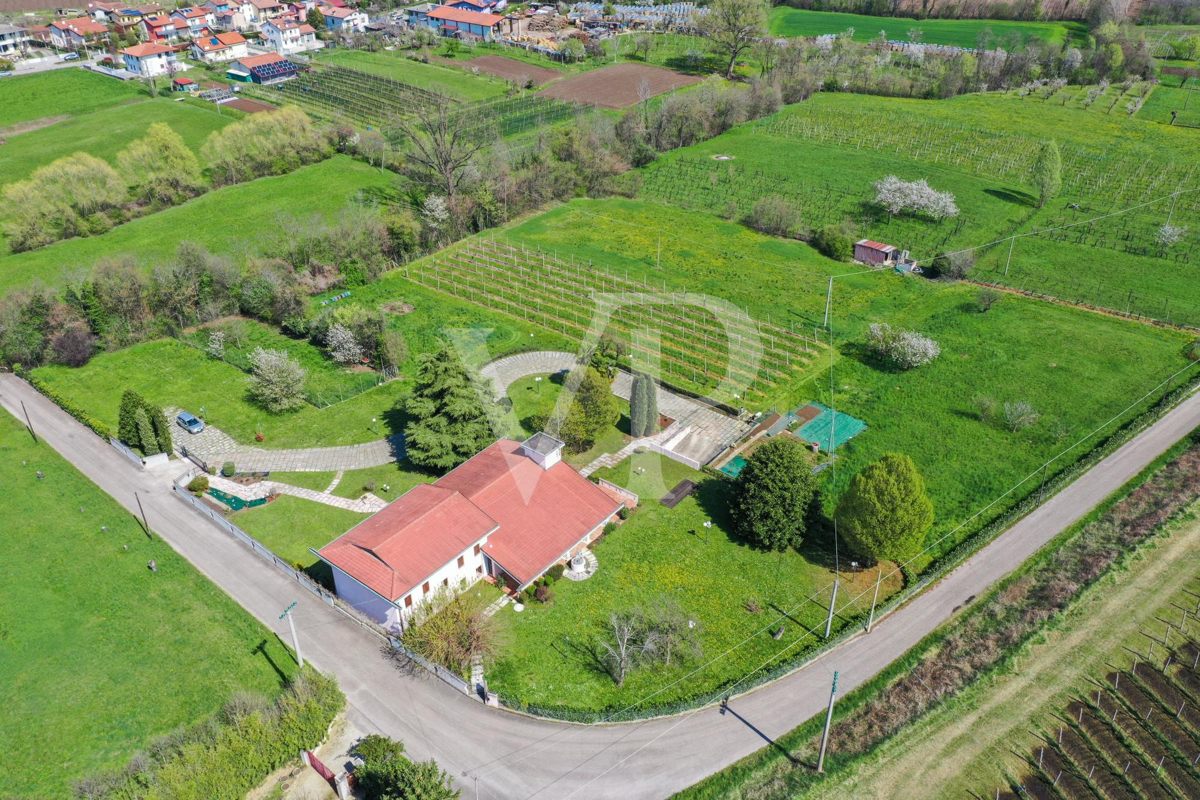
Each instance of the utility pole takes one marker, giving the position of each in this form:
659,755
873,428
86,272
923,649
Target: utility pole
1011,242
828,720
287,612
878,580
828,302
832,603
145,524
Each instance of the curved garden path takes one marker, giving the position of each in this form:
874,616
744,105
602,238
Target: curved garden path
506,371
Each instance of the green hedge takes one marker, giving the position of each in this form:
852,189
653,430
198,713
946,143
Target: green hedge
99,428
231,753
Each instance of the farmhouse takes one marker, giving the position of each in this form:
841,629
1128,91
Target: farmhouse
513,510
265,69
149,60
286,36
870,252
70,34
343,19
220,47
449,21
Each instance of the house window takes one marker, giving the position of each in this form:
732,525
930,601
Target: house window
479,570
461,561
408,601
425,588
476,549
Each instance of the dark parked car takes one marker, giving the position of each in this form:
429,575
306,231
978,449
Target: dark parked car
189,422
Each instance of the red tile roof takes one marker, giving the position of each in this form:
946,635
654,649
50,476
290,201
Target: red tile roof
340,13
541,515
467,17
159,22
192,12
395,550
249,62
219,42
143,50
875,245
81,25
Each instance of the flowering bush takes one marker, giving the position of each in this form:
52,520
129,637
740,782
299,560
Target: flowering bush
903,349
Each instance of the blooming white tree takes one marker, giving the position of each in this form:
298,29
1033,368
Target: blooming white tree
1073,59
897,196
276,380
216,344
343,347
1170,235
904,349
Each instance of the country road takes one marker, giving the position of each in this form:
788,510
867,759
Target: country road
495,754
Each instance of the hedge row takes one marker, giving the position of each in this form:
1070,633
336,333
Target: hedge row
101,429
231,753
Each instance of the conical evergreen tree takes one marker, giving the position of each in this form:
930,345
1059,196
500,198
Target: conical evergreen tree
453,415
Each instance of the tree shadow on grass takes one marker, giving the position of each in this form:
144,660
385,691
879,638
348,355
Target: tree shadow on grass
1014,196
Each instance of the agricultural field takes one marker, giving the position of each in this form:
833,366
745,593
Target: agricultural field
397,66
1117,99
61,93
548,662
618,86
225,221
786,21
1021,349
101,655
1165,99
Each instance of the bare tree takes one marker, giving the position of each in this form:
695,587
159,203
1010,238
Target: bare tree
987,298
1019,415
620,651
672,632
443,143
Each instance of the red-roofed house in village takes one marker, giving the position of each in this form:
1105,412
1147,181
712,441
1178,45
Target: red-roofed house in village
286,36
344,19
160,29
148,60
70,34
514,510
193,20
449,21
220,47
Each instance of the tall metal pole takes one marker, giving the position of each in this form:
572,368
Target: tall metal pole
828,303
874,600
287,612
1011,242
144,522
828,721
832,603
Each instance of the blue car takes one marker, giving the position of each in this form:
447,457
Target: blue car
189,423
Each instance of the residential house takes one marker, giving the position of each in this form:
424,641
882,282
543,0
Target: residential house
344,20
419,15
265,69
257,12
149,60
449,21
218,47
479,6
192,21
286,36
14,41
100,11
513,510
71,34
227,15
161,28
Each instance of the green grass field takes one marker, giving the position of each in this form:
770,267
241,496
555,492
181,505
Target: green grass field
100,654
530,396
290,525
958,32
398,477
225,220
62,92
451,81
660,553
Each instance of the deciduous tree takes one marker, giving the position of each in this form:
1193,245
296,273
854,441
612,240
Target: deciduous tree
1047,172
160,167
885,513
276,380
774,494
732,26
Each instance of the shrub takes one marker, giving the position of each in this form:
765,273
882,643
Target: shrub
228,468
903,349
544,594
609,528
230,754
276,380
773,215
97,427
369,486
198,484
985,406
623,512
832,243
556,572
1019,415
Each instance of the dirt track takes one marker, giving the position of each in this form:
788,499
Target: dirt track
617,86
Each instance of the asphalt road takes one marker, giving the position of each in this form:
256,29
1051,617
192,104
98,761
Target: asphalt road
503,755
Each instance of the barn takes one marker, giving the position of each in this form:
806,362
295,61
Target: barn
870,252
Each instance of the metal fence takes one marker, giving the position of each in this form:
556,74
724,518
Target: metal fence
121,448
308,583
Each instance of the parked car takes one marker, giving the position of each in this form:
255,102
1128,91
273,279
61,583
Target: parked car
71,57
189,422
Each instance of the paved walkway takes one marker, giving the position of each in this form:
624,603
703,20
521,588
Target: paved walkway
513,756
504,372
366,504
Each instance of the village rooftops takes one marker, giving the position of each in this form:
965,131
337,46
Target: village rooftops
338,13
80,25
144,50
466,17
220,41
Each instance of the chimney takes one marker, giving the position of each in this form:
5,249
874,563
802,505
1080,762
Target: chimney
543,449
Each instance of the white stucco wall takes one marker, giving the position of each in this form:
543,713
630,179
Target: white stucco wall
468,573
365,601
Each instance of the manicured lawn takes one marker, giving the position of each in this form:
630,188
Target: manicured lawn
958,32
104,134
399,477
530,396
328,382
451,81
660,553
62,92
226,221
100,654
289,526
171,373
317,481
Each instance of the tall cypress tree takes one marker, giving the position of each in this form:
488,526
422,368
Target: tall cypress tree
127,430
162,427
637,407
146,438
650,402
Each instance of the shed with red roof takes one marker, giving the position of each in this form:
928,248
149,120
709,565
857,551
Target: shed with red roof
870,252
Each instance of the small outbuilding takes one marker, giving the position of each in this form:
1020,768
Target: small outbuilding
184,85
870,252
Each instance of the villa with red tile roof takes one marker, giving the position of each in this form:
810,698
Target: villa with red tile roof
72,33
220,47
515,509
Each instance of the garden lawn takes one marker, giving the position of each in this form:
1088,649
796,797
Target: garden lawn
530,397
399,477
171,373
100,654
664,553
450,81
327,382
289,526
226,220
61,92
798,22
104,134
